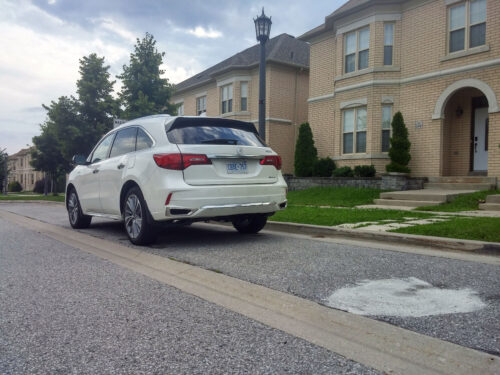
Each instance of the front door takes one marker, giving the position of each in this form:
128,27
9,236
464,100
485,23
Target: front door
480,144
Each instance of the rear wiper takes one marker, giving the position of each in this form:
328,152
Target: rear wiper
221,141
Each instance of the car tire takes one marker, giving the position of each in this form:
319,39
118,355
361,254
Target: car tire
250,224
76,217
136,218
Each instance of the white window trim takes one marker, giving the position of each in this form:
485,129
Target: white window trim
354,130
467,50
356,52
230,85
234,79
387,17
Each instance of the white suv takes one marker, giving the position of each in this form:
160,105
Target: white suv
163,169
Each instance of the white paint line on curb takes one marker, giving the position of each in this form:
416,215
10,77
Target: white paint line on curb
372,343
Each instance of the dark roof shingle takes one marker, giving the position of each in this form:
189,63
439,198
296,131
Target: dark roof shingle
283,48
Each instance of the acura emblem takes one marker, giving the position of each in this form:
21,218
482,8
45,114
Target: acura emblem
239,151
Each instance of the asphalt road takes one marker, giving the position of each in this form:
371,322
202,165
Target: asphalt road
65,311
314,268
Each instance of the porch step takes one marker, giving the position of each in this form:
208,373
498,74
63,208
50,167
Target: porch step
492,203
489,206
404,202
493,198
459,186
415,195
463,179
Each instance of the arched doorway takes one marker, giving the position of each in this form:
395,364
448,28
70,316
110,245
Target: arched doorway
465,108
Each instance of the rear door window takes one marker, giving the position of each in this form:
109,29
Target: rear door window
124,142
211,131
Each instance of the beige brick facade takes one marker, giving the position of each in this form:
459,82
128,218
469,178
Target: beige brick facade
434,89
22,171
287,90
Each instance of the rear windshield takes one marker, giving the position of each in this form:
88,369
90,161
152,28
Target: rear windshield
213,131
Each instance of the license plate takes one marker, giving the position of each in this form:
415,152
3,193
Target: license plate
239,167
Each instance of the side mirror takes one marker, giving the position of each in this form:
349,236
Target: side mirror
79,160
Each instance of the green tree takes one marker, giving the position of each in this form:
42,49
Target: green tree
47,155
95,105
144,92
305,152
399,152
4,171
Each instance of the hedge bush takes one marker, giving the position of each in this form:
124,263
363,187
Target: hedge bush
364,171
15,187
305,152
323,167
343,172
399,152
39,187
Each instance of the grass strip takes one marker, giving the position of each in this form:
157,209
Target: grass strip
477,228
27,197
465,202
337,216
333,196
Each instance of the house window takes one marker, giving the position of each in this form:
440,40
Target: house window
180,109
227,99
201,105
386,127
467,25
244,95
388,43
357,47
354,129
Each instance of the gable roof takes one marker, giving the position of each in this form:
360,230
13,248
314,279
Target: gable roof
349,7
284,49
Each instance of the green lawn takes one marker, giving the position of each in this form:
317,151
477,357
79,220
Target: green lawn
336,216
465,202
31,197
477,228
330,196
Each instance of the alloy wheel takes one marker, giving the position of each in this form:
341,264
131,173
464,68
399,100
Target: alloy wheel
133,216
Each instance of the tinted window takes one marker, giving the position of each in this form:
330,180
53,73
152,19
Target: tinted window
215,135
124,142
143,140
101,152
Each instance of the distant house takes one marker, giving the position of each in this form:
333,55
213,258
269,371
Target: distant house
230,89
22,171
436,61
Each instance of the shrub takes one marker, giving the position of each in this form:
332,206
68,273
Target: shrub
343,172
364,171
39,185
323,167
15,187
399,152
305,152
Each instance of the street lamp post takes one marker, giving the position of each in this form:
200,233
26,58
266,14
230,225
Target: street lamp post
262,31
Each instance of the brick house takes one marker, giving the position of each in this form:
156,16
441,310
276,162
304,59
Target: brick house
436,61
22,171
230,89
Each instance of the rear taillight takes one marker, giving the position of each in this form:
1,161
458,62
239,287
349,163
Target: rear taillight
180,162
272,160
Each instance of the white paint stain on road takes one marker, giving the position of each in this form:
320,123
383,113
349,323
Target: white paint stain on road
403,297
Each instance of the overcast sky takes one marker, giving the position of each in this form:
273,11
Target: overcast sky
42,41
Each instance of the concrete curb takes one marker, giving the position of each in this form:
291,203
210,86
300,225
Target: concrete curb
409,239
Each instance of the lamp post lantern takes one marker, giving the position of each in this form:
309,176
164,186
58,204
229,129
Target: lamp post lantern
262,31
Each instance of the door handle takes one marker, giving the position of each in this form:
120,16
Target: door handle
475,147
95,171
121,165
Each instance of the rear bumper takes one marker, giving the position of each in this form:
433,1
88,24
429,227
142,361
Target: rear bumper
207,202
